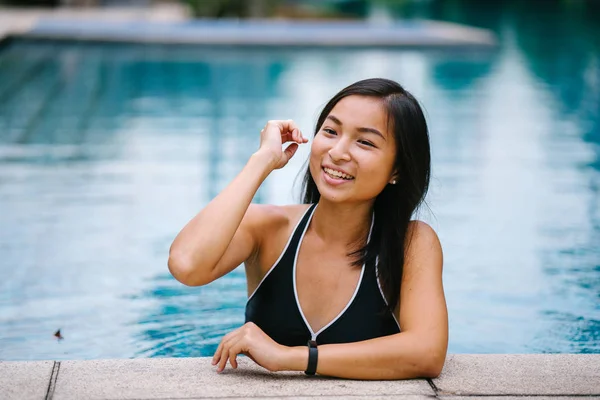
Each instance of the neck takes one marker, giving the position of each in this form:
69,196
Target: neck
342,224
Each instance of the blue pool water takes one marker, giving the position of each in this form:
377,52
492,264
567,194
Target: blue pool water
106,151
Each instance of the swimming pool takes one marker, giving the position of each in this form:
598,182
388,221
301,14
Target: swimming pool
106,151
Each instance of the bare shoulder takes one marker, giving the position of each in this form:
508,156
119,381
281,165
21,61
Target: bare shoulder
269,219
271,226
422,229
263,213
423,246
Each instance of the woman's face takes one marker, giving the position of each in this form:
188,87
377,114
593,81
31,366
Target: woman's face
352,154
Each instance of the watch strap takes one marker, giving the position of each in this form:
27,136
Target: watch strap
313,355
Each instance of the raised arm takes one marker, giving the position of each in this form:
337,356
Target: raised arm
223,235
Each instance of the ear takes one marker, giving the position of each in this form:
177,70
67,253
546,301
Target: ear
394,179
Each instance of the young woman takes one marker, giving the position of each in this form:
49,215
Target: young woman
346,285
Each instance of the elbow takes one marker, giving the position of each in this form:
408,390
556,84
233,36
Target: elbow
184,271
432,370
432,364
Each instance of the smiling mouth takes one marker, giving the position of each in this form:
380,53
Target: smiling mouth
337,174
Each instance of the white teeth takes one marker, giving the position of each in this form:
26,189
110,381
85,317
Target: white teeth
337,174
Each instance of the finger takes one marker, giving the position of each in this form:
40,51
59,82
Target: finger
217,355
226,354
233,357
223,360
224,340
237,348
290,151
289,125
299,137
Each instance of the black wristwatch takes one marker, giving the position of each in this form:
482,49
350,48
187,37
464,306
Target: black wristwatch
313,355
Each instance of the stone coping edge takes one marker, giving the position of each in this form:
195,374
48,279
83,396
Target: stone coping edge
270,33
464,375
174,27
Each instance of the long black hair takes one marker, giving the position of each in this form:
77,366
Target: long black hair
395,205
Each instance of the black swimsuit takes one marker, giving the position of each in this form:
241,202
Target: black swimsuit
275,308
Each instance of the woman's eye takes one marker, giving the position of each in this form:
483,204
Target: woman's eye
329,131
365,142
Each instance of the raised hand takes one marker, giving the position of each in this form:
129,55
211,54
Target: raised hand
274,135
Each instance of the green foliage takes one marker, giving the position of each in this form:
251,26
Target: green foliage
232,8
30,3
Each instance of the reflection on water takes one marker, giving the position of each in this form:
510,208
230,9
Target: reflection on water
189,321
106,151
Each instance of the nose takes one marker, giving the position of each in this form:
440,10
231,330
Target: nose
339,151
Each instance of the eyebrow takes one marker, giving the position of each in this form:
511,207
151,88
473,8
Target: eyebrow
361,129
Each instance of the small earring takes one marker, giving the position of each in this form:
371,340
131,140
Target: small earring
394,182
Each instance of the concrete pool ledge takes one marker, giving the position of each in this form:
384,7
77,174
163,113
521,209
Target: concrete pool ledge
169,26
15,21
505,376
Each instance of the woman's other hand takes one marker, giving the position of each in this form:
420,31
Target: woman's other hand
274,135
251,341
